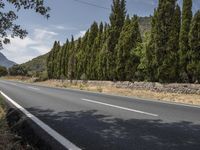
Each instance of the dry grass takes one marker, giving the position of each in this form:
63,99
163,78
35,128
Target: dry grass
8,141
193,99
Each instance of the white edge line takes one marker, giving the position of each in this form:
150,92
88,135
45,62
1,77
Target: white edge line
63,141
119,107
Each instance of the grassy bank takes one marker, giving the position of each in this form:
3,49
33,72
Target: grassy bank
8,140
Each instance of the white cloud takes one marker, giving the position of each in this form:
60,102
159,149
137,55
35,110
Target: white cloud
42,49
80,34
22,50
43,33
61,27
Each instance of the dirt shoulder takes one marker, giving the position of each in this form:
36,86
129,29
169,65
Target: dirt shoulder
111,88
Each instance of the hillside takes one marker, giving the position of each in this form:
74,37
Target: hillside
37,64
5,62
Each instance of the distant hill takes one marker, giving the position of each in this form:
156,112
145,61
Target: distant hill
5,62
37,64
145,24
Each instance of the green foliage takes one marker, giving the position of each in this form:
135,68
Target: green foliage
184,39
126,60
18,70
8,17
36,65
118,51
42,76
3,71
162,49
194,54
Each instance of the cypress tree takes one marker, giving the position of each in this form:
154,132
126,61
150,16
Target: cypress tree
56,60
90,52
127,61
102,60
172,61
82,57
66,58
78,49
117,19
184,41
161,34
194,42
71,61
150,52
96,53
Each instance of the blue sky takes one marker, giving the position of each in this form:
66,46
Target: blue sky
68,17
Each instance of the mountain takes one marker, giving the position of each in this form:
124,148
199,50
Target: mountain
145,25
5,62
37,64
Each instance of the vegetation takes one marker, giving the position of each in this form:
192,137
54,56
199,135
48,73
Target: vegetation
17,70
36,66
118,51
3,71
100,54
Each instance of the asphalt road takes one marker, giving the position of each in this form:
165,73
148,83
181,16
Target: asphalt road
95,121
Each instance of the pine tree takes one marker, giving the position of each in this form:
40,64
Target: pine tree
194,54
184,41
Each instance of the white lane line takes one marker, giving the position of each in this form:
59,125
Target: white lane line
119,107
62,140
13,84
33,88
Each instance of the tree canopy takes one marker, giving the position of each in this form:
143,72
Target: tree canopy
8,27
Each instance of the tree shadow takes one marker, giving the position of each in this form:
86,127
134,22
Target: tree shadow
93,131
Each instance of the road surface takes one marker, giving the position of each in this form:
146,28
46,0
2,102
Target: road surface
95,121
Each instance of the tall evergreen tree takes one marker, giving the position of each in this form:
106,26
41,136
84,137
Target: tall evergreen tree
90,52
150,51
194,42
71,61
184,41
78,49
172,70
117,18
102,59
96,53
161,36
128,40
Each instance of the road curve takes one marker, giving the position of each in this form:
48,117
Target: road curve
95,121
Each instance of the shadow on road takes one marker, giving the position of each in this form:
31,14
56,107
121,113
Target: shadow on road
94,131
